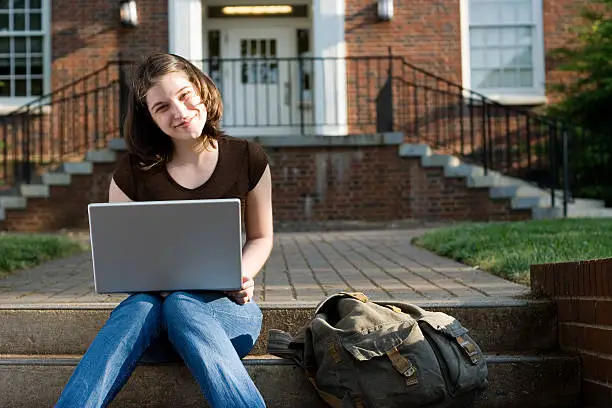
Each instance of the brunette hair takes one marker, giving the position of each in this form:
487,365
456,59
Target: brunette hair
142,136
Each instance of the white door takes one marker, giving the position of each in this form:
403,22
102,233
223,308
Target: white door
258,82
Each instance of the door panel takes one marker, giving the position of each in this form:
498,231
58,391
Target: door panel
258,80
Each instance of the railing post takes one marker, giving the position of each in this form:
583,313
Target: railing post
553,163
391,104
123,95
300,91
485,140
27,174
566,185
4,141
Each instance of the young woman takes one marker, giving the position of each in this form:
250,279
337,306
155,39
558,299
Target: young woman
176,152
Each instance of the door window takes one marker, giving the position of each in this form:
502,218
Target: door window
259,64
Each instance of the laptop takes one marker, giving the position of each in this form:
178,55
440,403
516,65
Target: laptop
161,246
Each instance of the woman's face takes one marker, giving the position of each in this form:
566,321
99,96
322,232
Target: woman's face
176,107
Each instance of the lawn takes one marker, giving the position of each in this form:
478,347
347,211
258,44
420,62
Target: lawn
19,251
508,249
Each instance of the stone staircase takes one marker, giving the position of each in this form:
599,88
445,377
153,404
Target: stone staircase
41,344
523,195
34,206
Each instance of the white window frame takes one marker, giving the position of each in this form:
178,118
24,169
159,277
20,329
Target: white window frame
9,104
508,96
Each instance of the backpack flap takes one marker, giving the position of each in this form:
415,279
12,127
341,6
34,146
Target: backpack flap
461,358
392,365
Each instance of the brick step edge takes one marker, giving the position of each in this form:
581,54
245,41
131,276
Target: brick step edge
514,381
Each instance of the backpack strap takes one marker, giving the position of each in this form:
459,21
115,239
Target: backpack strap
281,344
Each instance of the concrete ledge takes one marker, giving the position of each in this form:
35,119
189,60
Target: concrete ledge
360,140
514,381
117,144
101,156
414,150
463,170
440,160
13,202
83,167
525,203
70,331
56,179
34,190
379,139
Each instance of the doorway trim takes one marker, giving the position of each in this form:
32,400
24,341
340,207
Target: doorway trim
327,23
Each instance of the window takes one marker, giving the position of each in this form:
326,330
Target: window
259,64
502,47
24,49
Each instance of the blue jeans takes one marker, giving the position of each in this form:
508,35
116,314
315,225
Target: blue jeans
210,332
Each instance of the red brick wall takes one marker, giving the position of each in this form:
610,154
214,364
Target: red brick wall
309,184
583,293
427,33
87,33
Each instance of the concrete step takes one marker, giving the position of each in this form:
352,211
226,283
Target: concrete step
499,326
514,381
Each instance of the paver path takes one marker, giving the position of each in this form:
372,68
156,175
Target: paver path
303,268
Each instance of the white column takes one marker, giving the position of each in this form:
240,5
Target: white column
330,74
185,29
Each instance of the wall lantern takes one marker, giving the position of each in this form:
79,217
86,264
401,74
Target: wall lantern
385,10
128,13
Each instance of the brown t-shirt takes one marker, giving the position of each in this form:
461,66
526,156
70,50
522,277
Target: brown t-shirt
240,166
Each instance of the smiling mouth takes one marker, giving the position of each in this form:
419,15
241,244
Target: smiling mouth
184,124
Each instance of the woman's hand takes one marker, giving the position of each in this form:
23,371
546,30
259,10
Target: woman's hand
246,293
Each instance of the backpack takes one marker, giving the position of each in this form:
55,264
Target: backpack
358,353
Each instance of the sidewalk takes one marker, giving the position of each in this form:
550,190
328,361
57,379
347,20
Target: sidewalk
303,268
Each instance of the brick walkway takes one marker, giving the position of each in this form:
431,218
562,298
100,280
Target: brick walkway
303,268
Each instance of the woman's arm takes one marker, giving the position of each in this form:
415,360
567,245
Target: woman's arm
259,226
115,194
259,236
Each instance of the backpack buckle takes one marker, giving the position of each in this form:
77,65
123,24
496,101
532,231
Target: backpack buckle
469,348
403,366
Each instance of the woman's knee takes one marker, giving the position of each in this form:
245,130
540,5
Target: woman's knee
140,306
178,304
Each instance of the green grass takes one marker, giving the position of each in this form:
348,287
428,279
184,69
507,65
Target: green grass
508,249
19,251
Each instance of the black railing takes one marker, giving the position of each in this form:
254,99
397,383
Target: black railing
292,96
298,95
509,140
60,126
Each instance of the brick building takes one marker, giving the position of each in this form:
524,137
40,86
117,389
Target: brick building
450,75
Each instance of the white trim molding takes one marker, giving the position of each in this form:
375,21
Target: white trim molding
329,42
25,34
511,95
185,29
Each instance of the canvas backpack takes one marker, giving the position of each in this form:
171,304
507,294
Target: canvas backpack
358,353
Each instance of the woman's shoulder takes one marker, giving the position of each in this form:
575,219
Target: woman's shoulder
234,143
249,152
242,148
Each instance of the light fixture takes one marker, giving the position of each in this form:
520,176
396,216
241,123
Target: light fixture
256,10
385,10
128,13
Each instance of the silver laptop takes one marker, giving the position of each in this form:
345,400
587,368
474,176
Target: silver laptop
166,245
